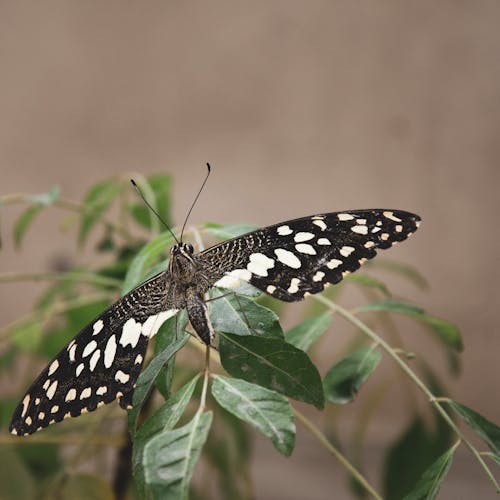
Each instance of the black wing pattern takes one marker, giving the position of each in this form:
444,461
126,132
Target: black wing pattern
100,364
293,258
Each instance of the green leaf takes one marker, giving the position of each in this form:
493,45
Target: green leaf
345,378
447,333
148,254
170,457
228,231
164,419
147,377
242,316
428,486
96,202
486,430
41,458
27,336
23,223
160,185
368,281
272,363
405,270
309,331
267,411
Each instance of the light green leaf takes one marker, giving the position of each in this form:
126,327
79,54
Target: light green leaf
446,332
272,363
368,281
27,336
228,231
428,485
170,457
345,378
146,257
242,316
96,202
309,331
267,411
147,377
23,222
486,430
44,199
405,270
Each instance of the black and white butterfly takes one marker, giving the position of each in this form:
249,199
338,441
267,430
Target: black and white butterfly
287,261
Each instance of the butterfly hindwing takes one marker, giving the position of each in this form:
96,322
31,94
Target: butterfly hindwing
100,364
300,256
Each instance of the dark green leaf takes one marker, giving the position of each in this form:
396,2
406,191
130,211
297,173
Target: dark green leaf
227,231
147,377
446,332
41,458
345,378
428,486
309,331
148,254
272,363
96,202
368,281
486,430
169,458
23,223
266,410
242,316
160,185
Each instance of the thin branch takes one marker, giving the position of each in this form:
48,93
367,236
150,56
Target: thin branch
336,453
84,277
412,375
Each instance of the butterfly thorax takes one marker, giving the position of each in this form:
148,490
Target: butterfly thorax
191,285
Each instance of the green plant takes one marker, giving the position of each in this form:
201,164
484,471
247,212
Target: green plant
196,409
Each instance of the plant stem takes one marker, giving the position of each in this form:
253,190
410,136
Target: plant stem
206,375
104,440
84,277
336,453
412,375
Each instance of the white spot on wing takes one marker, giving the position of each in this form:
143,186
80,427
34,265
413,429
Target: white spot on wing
86,393
53,367
284,230
346,251
318,276
45,385
101,390
345,217
71,395
28,420
305,248
122,377
72,352
110,351
98,326
26,402
288,258
303,236
79,369
89,348
369,244
270,289
360,229
54,409
334,263
320,224
399,228
52,389
131,332
391,216
138,359
94,359
294,285
232,279
324,241
259,264
153,323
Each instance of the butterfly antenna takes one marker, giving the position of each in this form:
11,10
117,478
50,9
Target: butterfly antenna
196,199
153,210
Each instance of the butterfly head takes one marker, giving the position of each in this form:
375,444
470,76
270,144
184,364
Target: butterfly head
182,264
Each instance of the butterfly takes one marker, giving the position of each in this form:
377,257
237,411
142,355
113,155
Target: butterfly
288,261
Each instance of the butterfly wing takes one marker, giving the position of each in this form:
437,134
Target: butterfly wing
101,363
300,256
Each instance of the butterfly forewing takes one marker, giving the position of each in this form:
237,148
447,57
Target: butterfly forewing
300,256
100,364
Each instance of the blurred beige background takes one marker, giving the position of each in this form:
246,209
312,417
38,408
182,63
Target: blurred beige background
301,107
